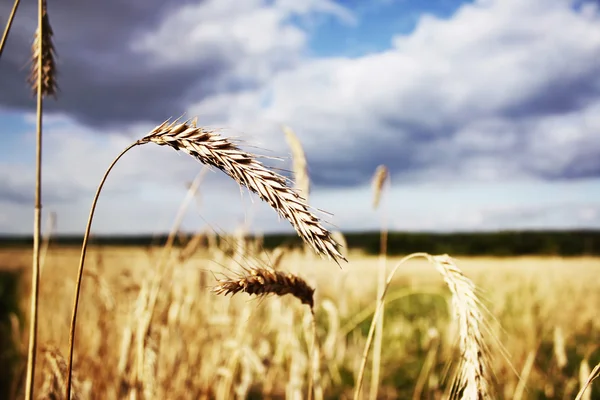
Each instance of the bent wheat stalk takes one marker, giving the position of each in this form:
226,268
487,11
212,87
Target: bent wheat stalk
472,377
300,166
212,149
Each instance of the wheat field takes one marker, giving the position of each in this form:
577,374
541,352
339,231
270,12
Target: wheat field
188,342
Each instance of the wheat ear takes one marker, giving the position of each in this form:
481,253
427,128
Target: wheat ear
212,149
381,174
43,72
266,281
300,166
473,368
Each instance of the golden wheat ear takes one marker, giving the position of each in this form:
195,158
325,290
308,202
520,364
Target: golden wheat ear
210,148
42,44
266,281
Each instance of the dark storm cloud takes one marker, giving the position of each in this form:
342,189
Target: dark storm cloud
102,81
356,165
569,94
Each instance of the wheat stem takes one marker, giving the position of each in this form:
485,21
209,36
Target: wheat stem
80,270
35,272
378,311
8,25
380,178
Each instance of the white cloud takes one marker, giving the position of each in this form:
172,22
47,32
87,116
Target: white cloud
502,91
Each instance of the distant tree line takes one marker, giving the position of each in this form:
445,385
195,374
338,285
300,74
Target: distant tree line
507,243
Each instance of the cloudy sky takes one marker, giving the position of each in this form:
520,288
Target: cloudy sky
486,112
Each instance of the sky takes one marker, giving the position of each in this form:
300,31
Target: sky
486,112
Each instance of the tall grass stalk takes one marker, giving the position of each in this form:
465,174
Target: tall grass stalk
38,50
84,245
380,178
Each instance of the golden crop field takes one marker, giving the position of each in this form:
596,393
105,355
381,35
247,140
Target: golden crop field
145,336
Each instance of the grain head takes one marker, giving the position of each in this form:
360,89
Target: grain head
300,166
42,45
266,281
210,148
381,174
473,369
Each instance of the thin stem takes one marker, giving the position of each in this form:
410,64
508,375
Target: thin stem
317,389
35,271
80,270
378,311
8,25
375,377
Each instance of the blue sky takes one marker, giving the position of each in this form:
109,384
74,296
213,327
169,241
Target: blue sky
486,112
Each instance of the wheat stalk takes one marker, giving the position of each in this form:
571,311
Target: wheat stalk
472,374
379,179
11,17
212,149
45,83
265,281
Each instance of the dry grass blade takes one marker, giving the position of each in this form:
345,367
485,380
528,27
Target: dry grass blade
265,281
302,181
473,370
593,375
212,149
42,43
381,174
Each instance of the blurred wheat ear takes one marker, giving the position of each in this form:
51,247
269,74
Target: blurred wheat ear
381,174
300,166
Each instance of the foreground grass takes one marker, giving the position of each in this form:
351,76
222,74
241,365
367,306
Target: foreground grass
200,345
